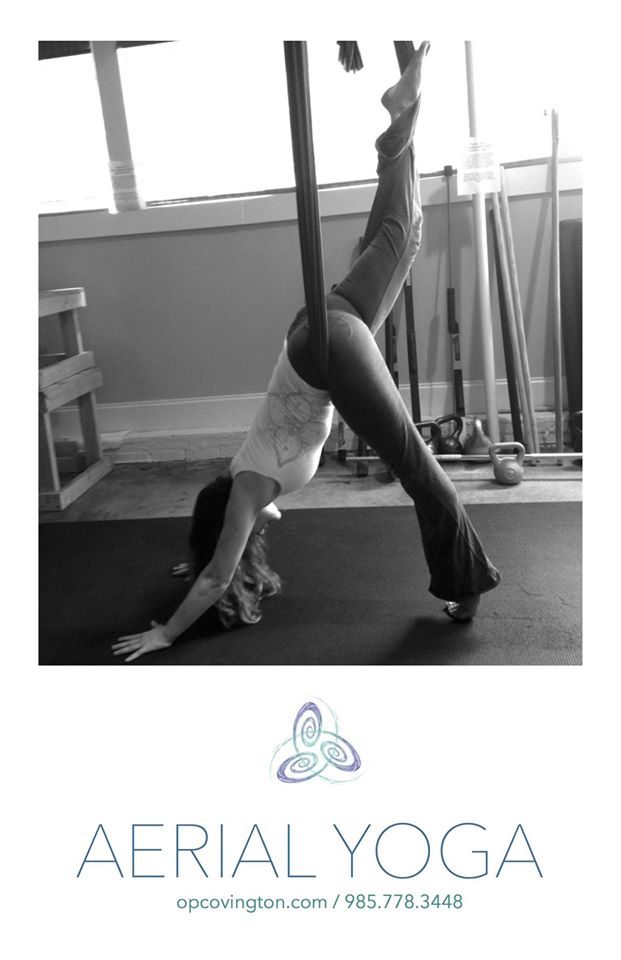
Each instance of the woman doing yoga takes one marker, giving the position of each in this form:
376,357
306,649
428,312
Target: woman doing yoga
282,449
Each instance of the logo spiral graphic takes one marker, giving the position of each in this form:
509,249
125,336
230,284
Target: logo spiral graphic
315,749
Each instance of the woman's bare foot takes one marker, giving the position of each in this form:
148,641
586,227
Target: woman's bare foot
462,610
406,91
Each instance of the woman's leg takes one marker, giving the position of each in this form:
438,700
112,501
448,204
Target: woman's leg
393,231
365,395
361,387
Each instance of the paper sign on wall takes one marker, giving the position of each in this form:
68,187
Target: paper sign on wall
125,188
478,172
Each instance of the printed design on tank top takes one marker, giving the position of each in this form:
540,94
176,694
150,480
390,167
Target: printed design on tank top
296,424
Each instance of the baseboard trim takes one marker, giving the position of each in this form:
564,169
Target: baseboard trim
194,415
187,428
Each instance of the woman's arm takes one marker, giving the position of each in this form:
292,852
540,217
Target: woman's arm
249,495
205,591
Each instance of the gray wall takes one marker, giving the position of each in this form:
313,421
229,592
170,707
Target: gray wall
203,313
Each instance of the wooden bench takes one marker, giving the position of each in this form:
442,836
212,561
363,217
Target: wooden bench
64,378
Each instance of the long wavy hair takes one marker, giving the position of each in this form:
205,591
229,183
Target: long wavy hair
253,579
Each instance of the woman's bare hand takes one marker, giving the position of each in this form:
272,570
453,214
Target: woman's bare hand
138,643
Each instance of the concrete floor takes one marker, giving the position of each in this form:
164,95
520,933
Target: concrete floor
140,491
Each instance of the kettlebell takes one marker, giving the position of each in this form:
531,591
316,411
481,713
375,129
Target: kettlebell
508,470
477,443
430,432
449,442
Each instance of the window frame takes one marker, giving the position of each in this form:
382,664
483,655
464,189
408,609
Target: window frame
134,216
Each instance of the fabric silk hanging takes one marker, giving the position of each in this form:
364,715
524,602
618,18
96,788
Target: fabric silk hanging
309,224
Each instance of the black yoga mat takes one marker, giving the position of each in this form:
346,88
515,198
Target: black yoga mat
355,591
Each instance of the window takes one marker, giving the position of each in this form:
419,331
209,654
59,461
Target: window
516,85
208,120
205,119
73,158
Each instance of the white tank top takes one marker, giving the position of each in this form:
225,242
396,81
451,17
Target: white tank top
288,433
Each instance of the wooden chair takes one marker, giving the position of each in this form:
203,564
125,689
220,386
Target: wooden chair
64,378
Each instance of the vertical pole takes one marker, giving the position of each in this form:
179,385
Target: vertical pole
408,297
123,175
390,346
504,294
556,289
529,410
404,50
485,307
516,367
453,325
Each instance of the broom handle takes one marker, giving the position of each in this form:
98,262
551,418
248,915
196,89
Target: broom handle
556,288
451,313
529,411
482,267
511,323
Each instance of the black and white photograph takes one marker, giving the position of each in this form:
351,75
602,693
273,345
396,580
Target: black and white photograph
311,354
